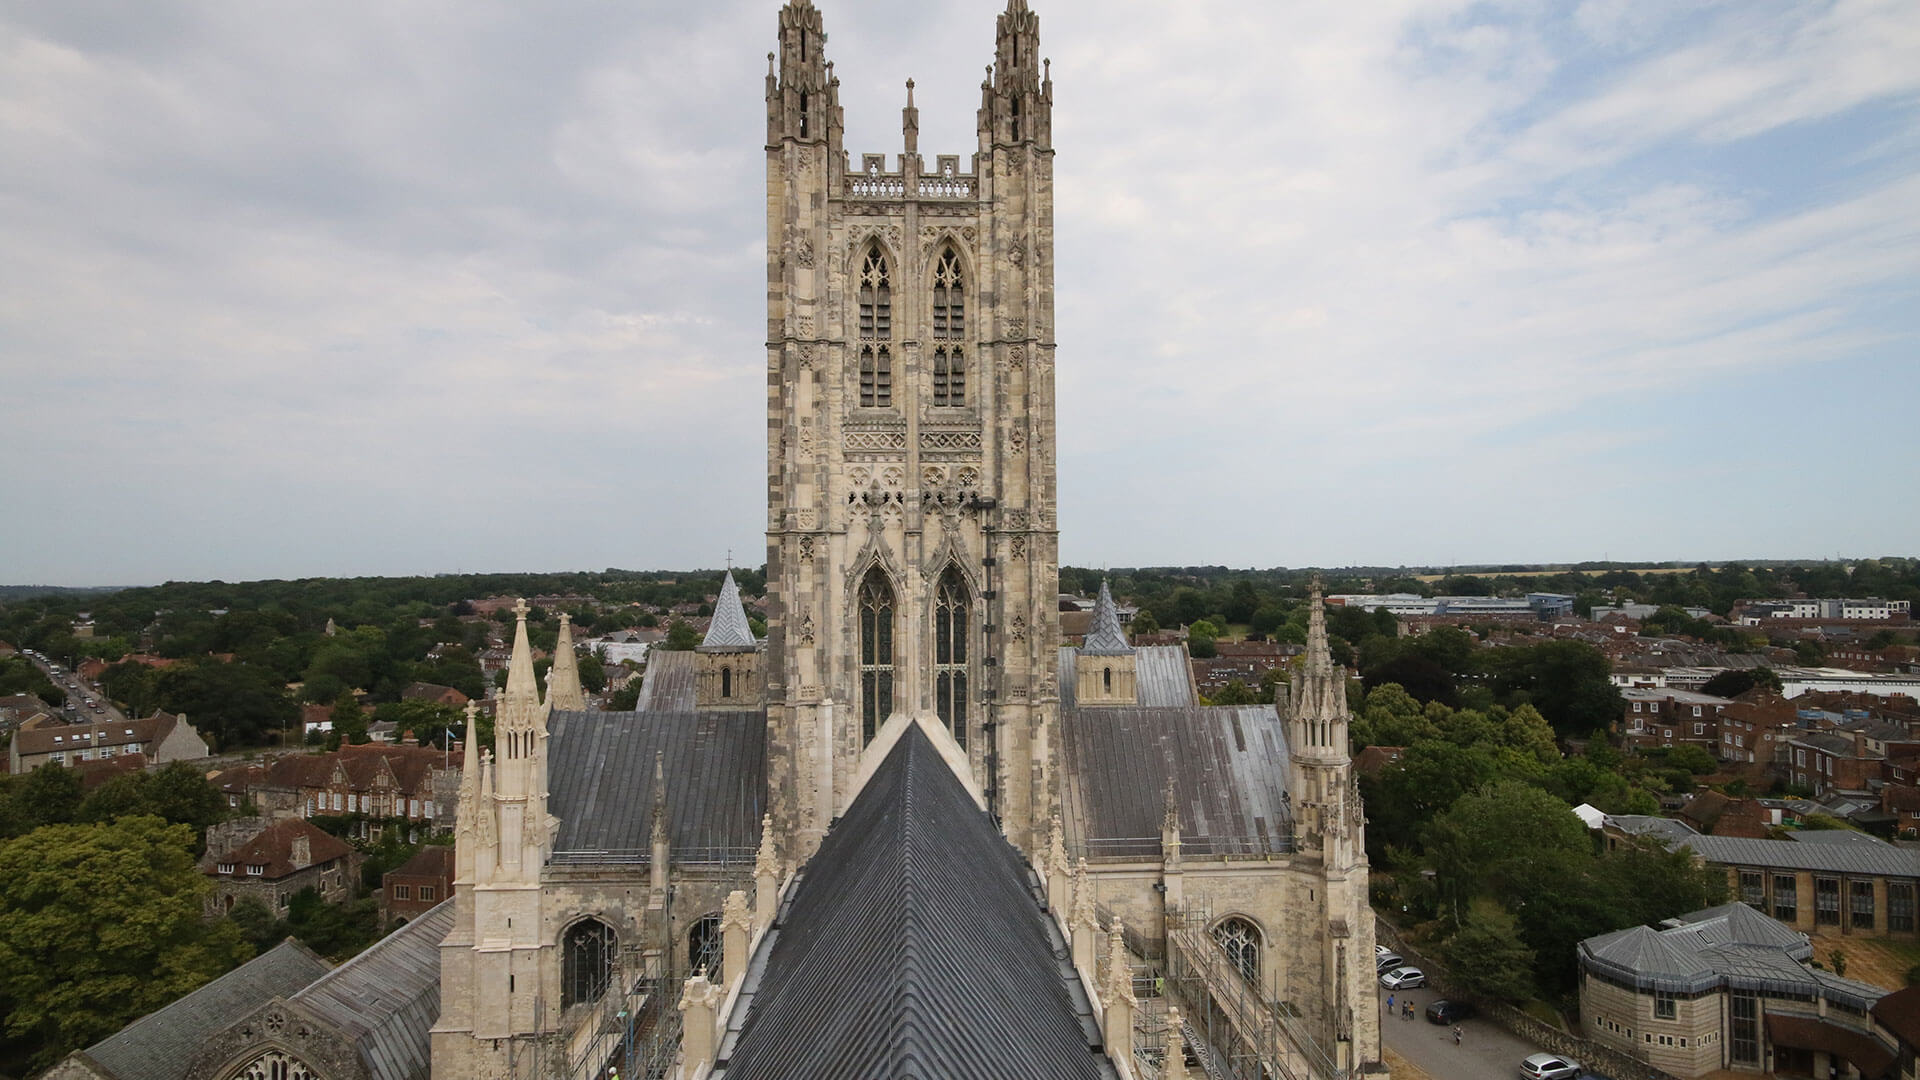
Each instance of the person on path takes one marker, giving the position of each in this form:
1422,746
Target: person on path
1456,1034
1389,1004
1406,1009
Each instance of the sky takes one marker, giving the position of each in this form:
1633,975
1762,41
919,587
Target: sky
295,289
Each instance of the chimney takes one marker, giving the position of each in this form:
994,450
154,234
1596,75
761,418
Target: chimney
302,854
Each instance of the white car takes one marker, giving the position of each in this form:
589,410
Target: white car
1404,978
1549,1067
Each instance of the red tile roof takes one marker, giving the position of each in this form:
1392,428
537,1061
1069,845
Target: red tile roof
273,848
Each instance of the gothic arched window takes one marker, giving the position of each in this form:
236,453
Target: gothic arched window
951,601
949,325
876,330
876,653
586,962
275,1065
704,947
1240,940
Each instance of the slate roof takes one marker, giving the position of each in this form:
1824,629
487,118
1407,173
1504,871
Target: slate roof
1836,836
669,682
1731,945
1104,636
386,999
600,781
915,945
1230,770
1161,675
1791,854
88,736
729,629
1667,830
161,1044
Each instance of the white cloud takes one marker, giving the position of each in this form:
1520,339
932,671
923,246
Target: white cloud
302,289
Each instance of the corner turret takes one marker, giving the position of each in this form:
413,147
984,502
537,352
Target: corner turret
563,679
1016,100
727,663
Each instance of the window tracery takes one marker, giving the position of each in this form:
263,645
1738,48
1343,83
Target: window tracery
876,331
949,325
876,653
705,947
951,605
275,1065
587,959
1240,940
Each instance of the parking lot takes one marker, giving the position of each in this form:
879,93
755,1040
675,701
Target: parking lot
1486,1052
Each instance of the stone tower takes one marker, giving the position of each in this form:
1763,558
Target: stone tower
493,984
912,564
1330,831
727,663
1105,667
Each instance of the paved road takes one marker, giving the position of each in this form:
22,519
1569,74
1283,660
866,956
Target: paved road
1486,1052
77,694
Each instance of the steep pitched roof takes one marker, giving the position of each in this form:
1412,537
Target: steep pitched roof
272,847
729,629
1104,636
160,1045
915,945
386,999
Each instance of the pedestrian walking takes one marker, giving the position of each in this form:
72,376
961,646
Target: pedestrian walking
1389,1004
1456,1034
1406,1009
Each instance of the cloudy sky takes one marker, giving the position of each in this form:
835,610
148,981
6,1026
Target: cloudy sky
367,287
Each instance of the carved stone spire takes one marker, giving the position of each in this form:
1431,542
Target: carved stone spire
803,102
466,820
563,679
910,122
662,828
1018,106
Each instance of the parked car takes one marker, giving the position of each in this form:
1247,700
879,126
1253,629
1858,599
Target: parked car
1407,978
1549,1067
1388,961
1381,950
1450,1012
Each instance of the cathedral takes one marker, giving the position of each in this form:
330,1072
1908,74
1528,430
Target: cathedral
908,833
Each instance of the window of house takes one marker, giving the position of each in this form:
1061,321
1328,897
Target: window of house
1860,904
1745,1010
336,800
1753,889
1786,897
426,807
876,652
1653,706
1699,729
587,957
1899,906
1826,901
1636,706
426,892
876,331
1799,757
951,606
1240,940
224,868
256,869
1696,710
413,807
1663,1006
403,892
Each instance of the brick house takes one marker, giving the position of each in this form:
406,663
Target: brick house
434,692
1755,727
271,861
374,781
1837,883
1832,762
161,737
1667,717
413,888
1714,814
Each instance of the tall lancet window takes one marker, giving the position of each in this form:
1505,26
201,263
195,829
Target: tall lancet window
876,331
586,962
876,653
950,607
949,327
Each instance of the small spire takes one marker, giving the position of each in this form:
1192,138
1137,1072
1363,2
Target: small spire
766,862
910,122
1104,636
729,629
470,774
522,689
1319,653
563,678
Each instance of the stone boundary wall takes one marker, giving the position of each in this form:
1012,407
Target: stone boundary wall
1592,1056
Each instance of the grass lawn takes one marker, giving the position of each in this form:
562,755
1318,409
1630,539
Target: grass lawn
1880,961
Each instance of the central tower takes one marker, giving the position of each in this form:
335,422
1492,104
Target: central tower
912,563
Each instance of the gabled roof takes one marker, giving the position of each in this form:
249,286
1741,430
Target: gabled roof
1104,635
386,999
915,945
1789,854
272,847
161,1045
729,629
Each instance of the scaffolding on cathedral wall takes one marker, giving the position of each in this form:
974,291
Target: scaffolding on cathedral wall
1229,1031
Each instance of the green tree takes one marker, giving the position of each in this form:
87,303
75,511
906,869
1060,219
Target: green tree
1487,956
1201,638
177,793
1504,839
1143,623
101,924
1568,681
681,637
1235,693
49,795
349,720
